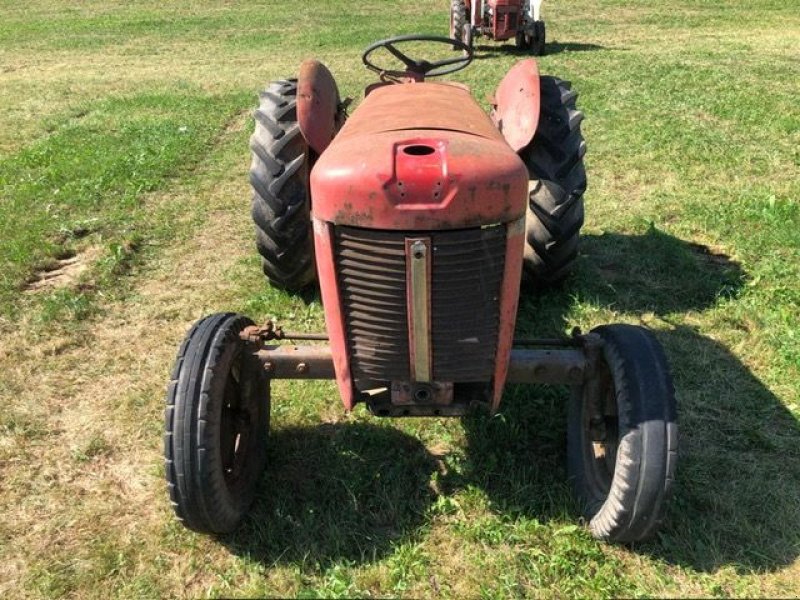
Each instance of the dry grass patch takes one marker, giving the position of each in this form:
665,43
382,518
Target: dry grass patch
91,476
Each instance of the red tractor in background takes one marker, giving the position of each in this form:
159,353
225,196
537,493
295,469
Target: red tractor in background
499,20
418,215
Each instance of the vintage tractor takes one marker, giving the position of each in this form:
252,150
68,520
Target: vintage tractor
418,216
499,20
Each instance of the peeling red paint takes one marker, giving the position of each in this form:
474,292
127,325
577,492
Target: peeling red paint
453,170
516,104
334,319
318,114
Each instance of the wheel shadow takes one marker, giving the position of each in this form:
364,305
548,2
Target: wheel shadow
737,499
559,47
737,495
651,273
485,51
336,492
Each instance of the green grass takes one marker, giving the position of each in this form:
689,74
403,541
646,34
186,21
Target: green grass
123,141
86,181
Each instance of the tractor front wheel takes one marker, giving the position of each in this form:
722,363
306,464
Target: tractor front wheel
281,197
623,437
216,424
557,182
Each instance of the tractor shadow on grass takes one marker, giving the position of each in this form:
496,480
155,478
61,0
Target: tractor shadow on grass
737,495
336,492
484,51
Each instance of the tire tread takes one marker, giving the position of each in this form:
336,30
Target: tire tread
644,472
279,179
196,493
555,164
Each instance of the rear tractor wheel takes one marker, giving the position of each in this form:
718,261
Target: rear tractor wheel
532,39
557,183
522,41
460,26
623,437
215,425
281,198
537,42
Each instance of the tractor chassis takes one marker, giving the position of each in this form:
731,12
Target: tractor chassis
571,361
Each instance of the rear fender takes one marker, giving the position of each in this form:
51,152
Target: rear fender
515,106
320,114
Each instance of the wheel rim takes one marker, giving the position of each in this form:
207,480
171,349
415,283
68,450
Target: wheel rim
235,427
601,431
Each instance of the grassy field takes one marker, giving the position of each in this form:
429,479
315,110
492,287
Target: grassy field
124,218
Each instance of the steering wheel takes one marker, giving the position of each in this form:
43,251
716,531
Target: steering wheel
421,67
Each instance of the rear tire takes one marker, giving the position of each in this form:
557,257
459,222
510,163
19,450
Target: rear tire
558,180
216,424
460,27
521,41
537,42
623,445
281,197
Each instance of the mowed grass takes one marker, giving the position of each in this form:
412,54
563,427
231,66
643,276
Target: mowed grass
123,144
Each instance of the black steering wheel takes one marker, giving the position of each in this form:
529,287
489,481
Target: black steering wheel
422,67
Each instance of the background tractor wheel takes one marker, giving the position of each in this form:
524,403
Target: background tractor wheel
558,179
537,42
521,41
460,28
215,426
623,443
281,199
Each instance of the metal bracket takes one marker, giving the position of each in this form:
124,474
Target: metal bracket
269,331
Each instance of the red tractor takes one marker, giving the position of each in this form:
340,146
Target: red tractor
418,216
499,20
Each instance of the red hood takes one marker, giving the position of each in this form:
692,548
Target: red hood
419,156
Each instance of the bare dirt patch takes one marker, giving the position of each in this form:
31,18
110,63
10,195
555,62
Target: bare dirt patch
64,271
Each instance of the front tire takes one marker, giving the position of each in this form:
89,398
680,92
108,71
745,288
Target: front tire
623,442
281,207
558,180
216,424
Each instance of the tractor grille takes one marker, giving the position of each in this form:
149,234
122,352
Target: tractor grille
466,277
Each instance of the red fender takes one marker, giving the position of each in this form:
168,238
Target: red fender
318,102
516,104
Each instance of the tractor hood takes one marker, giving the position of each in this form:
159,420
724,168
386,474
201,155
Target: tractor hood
444,106
419,156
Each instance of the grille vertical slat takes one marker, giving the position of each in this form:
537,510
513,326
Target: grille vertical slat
466,277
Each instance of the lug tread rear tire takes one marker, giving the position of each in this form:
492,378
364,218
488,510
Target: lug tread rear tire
646,456
558,180
281,199
197,489
460,27
538,42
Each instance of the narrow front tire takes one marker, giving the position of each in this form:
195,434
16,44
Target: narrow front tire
215,426
623,437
